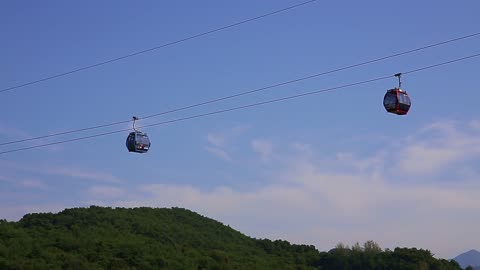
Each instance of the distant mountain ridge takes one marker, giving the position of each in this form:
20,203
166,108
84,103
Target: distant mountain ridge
471,258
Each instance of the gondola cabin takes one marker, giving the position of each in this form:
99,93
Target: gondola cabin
397,101
138,142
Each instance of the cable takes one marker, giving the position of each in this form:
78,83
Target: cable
156,48
245,106
442,64
248,92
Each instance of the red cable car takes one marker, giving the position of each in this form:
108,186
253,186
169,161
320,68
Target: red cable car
397,100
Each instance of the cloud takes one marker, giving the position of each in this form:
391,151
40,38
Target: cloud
302,148
17,134
475,124
28,183
33,184
81,173
216,140
219,153
263,147
65,171
219,143
438,146
106,192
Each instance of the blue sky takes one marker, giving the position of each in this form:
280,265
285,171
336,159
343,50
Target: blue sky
319,170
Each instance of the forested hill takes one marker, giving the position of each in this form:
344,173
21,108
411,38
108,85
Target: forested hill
146,238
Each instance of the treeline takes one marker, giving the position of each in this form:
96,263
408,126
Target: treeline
371,256
146,238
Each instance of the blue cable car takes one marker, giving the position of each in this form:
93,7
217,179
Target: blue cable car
137,141
396,100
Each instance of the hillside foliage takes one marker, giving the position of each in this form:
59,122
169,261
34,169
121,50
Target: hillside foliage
147,238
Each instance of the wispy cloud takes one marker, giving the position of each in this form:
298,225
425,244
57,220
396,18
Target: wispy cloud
439,145
81,174
33,184
106,192
219,153
475,124
13,133
216,140
219,143
302,148
16,134
263,147
63,170
29,183
216,146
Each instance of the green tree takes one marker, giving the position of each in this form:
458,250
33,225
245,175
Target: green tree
176,238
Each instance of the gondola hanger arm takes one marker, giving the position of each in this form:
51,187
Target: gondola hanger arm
399,75
134,118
